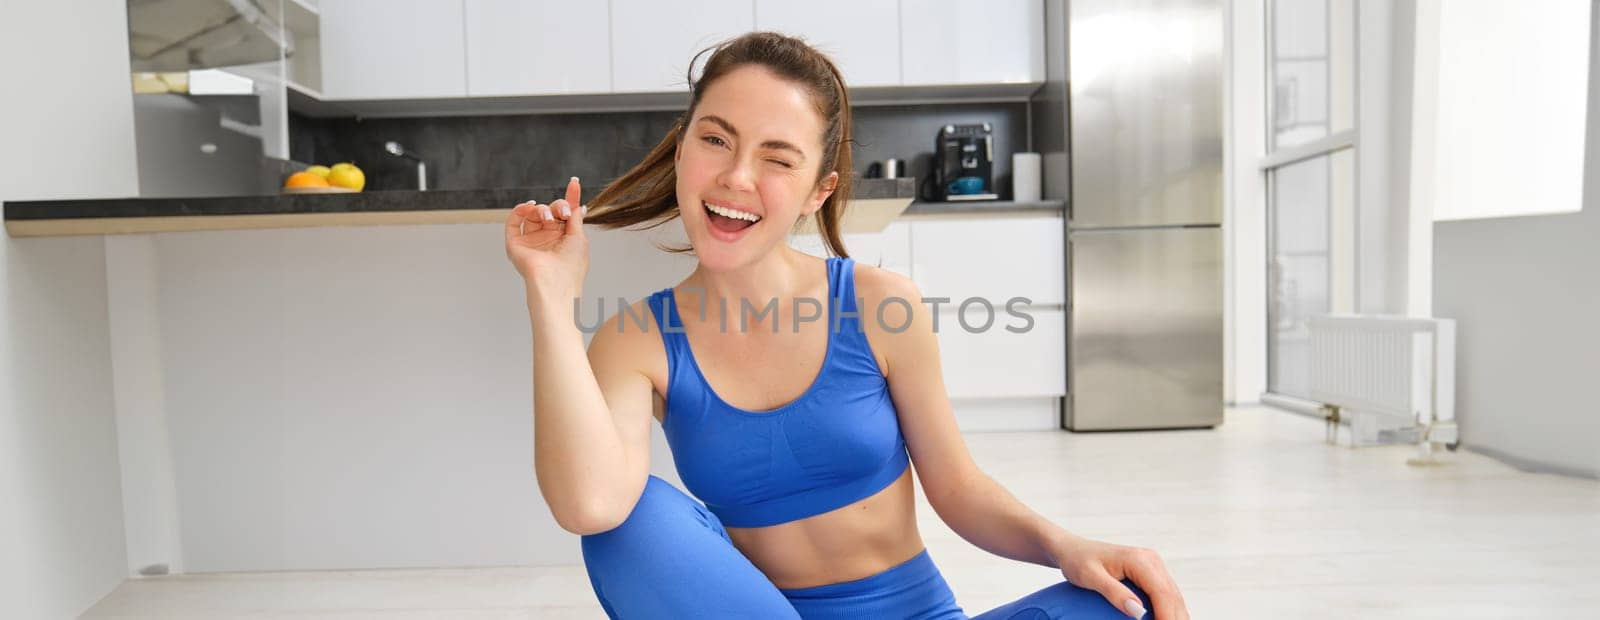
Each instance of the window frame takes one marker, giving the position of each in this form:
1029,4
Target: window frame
1327,146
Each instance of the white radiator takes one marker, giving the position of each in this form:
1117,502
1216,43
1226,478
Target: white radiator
1396,367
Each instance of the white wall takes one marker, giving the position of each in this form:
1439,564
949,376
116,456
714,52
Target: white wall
1383,47
1244,225
149,497
1408,254
66,130
1509,107
361,397
1393,243
1522,291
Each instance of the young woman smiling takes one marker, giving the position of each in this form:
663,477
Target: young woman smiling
799,442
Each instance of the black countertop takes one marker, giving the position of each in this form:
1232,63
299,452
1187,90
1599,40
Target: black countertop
359,202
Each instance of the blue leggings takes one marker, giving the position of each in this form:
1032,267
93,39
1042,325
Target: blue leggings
671,558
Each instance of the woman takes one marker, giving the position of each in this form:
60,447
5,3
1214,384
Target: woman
797,439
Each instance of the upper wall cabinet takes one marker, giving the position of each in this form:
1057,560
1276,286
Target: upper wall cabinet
653,40
392,49
537,47
862,36
464,49
965,42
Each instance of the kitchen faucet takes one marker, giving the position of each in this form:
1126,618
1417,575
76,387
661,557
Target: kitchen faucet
395,149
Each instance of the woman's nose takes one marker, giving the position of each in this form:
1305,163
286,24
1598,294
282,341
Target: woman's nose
739,175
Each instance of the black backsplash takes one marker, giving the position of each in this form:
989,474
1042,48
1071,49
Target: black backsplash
482,152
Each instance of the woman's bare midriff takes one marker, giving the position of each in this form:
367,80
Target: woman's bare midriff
846,544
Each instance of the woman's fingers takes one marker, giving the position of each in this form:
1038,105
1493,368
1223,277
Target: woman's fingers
575,223
531,217
516,222
1147,570
564,214
1117,594
574,192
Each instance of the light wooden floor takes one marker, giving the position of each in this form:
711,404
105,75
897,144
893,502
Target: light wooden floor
1257,519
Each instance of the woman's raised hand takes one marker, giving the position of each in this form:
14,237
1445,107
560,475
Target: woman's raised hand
545,242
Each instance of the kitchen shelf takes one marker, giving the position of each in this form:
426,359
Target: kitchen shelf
301,18
303,69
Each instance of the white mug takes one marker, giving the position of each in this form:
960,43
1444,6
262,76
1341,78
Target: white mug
894,168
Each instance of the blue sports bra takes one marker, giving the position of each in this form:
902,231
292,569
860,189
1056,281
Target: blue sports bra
835,444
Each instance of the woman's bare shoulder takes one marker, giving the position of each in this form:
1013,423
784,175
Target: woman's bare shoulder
875,285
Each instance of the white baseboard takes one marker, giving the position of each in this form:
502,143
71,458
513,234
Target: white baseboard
979,415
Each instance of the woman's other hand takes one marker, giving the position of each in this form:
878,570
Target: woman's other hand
546,243
1102,566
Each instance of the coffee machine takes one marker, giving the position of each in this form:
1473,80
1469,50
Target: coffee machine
963,163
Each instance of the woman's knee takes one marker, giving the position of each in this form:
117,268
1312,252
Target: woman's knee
1094,604
671,558
660,510
1064,600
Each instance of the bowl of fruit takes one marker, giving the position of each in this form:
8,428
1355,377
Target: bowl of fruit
343,178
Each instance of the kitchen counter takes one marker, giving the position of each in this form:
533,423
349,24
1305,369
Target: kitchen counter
979,207
875,203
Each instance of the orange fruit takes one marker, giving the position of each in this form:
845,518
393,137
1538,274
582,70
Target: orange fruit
347,175
305,179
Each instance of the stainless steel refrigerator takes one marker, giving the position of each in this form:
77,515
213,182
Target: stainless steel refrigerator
1132,117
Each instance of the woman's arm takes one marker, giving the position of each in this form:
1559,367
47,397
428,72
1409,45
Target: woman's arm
591,419
966,498
591,410
974,505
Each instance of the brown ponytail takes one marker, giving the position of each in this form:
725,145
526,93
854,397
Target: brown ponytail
647,194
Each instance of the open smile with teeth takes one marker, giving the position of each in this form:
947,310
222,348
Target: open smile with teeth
726,212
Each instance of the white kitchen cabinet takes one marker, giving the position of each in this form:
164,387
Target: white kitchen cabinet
964,42
537,47
450,49
995,257
392,49
997,363
652,41
865,46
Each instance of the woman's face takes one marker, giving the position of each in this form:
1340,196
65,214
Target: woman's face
754,145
